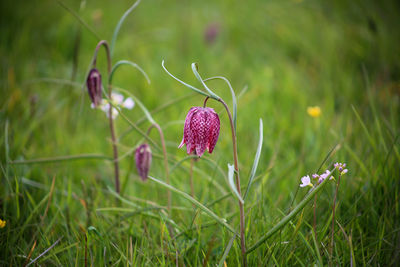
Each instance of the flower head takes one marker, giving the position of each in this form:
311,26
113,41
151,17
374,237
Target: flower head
323,176
93,83
341,167
143,160
117,100
2,223
306,181
314,112
201,130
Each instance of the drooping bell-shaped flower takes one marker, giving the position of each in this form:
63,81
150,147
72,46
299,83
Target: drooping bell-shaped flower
94,86
201,130
143,160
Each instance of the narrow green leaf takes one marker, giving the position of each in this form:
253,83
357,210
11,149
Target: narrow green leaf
231,172
127,62
234,99
119,24
288,217
196,73
256,159
73,13
140,104
370,139
197,203
182,82
61,158
226,252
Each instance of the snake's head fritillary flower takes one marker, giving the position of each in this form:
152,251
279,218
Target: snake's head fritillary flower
143,160
94,86
201,130
306,181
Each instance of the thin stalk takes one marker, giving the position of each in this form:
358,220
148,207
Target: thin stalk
333,216
110,118
155,125
191,177
237,178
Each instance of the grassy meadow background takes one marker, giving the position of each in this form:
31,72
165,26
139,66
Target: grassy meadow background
280,56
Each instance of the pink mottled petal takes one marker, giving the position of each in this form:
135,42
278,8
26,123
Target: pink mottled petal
214,131
205,124
186,129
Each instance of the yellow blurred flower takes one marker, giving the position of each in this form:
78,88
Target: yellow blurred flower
314,112
2,223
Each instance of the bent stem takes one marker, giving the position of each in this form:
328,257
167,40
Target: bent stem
333,216
166,169
237,178
110,119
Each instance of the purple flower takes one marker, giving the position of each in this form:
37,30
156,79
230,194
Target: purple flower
323,176
341,167
94,86
143,160
201,130
305,181
211,33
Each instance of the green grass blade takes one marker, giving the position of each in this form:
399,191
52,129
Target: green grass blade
140,104
226,252
256,159
288,217
81,21
61,158
197,203
370,139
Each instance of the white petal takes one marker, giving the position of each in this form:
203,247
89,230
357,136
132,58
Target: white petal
114,113
117,98
128,103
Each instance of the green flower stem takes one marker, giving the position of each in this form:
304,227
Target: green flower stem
237,179
110,118
155,125
333,216
288,217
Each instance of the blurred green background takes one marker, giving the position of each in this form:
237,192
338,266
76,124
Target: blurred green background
280,57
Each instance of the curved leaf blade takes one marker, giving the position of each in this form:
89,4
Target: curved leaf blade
231,172
256,158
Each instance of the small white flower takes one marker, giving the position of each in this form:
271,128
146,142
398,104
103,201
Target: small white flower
306,181
128,103
118,101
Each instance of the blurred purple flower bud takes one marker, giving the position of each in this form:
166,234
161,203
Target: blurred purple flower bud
201,130
143,160
211,33
94,86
